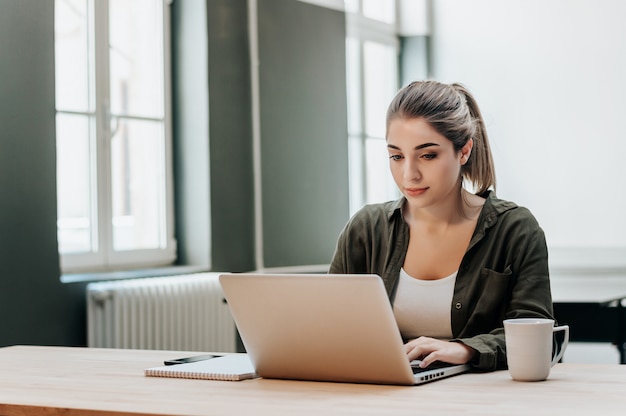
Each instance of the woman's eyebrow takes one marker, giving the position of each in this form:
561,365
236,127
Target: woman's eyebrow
421,146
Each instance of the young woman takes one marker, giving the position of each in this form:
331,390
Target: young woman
455,263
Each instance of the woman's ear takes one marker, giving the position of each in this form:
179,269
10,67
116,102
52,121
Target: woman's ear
466,151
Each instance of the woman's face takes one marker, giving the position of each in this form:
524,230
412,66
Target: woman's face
424,164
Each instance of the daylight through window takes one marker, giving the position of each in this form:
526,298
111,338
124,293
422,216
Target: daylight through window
114,179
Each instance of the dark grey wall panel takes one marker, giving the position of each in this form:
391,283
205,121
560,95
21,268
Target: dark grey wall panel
191,132
232,191
303,131
213,139
36,308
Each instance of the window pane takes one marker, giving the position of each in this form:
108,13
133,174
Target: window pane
380,79
74,175
356,169
138,185
354,86
71,34
136,57
383,10
351,6
380,184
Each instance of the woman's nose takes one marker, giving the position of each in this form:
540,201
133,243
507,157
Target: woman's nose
411,171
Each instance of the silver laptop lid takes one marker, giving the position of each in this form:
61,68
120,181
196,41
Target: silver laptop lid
318,327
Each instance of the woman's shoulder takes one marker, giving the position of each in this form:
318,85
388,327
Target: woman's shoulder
509,211
378,211
375,219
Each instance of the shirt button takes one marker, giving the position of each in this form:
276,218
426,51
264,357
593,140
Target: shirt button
458,305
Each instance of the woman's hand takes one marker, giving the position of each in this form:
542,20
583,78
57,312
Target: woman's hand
429,350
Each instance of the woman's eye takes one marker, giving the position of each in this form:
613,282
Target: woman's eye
429,156
395,157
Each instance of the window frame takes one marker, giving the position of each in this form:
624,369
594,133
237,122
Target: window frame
362,29
103,257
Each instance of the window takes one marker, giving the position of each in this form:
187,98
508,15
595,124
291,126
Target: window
372,62
114,173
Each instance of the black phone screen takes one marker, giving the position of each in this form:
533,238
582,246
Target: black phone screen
189,359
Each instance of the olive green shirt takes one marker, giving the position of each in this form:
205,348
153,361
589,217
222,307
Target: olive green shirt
503,274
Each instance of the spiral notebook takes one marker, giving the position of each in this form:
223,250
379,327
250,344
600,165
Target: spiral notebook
233,367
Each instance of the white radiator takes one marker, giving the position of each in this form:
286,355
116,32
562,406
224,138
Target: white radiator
186,312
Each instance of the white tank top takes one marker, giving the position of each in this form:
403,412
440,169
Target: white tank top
422,307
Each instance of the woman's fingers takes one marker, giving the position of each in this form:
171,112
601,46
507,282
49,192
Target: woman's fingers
429,350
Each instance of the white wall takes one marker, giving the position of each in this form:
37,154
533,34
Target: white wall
550,76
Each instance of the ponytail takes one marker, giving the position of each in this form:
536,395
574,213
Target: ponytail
479,169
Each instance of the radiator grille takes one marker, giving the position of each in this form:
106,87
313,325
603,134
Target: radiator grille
186,312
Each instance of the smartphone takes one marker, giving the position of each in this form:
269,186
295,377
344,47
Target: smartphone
189,359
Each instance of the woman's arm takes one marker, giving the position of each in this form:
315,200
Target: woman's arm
522,289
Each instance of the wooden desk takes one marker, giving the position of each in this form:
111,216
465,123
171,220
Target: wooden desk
88,382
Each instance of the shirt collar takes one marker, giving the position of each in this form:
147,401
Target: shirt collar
395,208
494,207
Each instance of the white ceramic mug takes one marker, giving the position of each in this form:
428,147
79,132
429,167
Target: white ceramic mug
529,347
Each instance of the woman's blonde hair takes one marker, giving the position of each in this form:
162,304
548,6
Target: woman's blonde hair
453,112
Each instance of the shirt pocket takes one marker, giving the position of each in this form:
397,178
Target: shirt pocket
494,295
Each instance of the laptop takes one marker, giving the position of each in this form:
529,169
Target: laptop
321,327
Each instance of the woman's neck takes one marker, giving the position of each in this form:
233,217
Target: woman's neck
461,207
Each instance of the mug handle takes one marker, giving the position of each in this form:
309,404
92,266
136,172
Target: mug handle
561,350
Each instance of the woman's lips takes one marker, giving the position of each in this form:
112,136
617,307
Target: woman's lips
414,191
